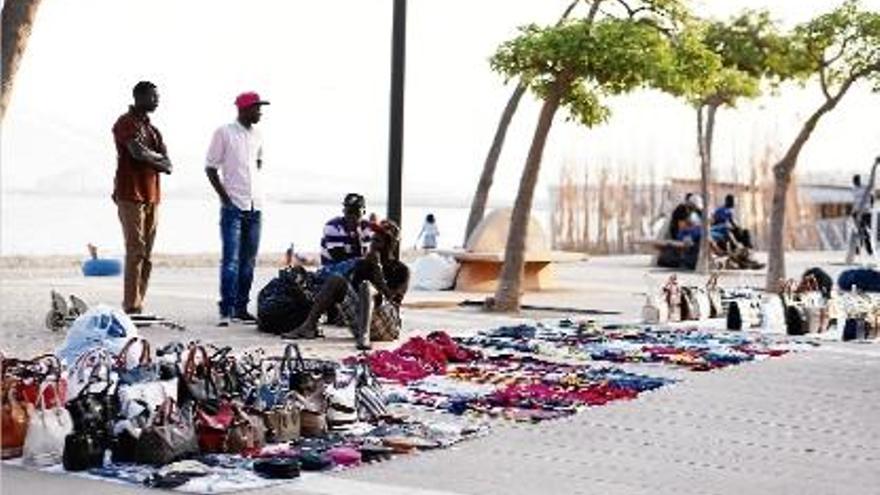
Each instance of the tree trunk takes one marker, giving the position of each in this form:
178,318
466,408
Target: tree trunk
18,19
507,296
782,177
481,196
776,255
705,139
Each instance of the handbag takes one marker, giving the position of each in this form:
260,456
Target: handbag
246,432
196,384
47,429
169,438
127,431
35,372
144,371
371,403
772,314
88,363
313,415
212,426
341,401
83,450
713,292
283,422
695,303
94,411
673,297
654,313
13,429
277,467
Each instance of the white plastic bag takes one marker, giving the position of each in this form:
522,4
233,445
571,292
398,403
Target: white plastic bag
434,272
101,326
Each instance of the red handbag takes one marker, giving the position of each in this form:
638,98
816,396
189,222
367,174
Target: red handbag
49,368
211,429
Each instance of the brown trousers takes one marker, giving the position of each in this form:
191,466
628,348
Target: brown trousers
139,222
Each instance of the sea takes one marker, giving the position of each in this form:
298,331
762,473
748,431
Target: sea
38,224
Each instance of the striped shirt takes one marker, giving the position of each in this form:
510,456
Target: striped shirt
354,243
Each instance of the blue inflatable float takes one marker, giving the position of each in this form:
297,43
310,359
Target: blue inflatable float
101,267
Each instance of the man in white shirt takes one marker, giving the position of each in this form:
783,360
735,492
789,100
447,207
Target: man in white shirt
234,166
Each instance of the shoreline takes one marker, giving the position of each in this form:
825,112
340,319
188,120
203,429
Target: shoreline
160,260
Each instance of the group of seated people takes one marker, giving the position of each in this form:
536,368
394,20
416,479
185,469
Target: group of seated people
726,237
360,284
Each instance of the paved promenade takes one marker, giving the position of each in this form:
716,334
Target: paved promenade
806,423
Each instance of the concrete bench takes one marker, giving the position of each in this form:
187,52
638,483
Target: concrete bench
483,256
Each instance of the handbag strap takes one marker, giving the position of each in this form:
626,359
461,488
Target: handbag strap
40,403
292,362
189,367
145,358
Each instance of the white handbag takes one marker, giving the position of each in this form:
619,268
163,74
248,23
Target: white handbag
772,314
86,365
47,428
342,401
654,313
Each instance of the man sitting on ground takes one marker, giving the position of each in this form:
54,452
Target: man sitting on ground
347,237
724,221
367,299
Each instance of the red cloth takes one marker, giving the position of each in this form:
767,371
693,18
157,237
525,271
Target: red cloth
419,357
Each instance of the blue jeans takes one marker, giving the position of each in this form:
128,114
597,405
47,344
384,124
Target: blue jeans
240,233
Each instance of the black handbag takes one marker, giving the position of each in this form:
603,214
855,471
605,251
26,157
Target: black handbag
855,329
83,450
278,467
196,384
796,320
93,411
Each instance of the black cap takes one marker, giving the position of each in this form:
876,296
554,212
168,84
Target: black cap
354,201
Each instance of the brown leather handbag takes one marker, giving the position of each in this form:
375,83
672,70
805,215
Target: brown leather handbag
13,429
246,432
171,437
283,422
313,415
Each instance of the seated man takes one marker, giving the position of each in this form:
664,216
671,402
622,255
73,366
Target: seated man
367,299
347,237
724,221
680,216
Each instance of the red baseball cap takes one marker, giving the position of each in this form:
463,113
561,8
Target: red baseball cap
248,99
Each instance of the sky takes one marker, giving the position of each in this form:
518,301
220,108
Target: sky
325,68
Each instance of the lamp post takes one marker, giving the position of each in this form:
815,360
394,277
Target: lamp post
395,129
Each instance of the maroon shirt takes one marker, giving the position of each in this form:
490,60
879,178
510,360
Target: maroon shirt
136,180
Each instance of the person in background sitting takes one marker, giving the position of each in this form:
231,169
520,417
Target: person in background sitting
429,233
725,224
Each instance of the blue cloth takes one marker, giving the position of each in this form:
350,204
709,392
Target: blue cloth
343,269
722,215
240,234
354,243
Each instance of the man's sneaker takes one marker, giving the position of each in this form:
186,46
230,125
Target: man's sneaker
224,321
245,318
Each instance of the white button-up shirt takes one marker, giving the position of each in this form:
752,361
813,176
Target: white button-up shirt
234,151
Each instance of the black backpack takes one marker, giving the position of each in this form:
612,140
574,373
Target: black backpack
284,303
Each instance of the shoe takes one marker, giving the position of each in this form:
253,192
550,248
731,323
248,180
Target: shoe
245,318
224,321
304,331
